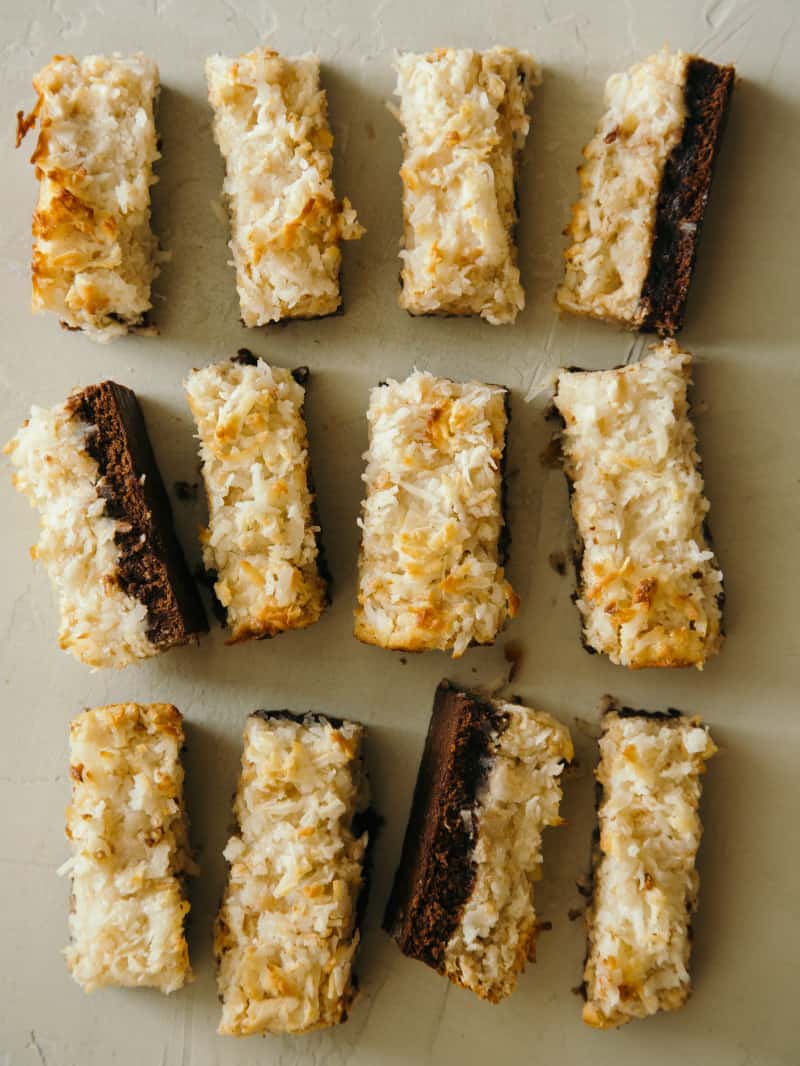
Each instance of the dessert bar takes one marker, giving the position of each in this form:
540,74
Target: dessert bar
271,125
465,120
645,884
130,855
94,254
288,929
649,586
489,783
106,534
262,541
433,532
645,183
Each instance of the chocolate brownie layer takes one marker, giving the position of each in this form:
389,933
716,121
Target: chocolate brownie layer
436,872
682,199
151,568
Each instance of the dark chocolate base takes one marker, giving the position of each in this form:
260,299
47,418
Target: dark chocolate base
682,199
152,568
436,873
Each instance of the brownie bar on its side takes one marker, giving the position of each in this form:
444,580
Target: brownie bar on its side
488,785
682,198
436,874
644,186
151,568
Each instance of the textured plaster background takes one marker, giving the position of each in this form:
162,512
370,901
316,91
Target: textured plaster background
743,326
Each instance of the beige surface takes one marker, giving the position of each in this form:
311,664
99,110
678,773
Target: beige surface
743,324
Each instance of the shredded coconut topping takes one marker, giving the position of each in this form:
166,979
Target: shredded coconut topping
286,934
519,799
261,541
101,625
430,573
465,122
94,255
128,831
271,124
650,587
613,223
645,883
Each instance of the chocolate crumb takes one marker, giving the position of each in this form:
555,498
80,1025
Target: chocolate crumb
574,913
552,455
514,654
558,561
185,490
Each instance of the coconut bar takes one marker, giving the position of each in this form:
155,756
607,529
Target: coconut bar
649,586
645,884
488,785
106,536
465,121
262,541
432,549
130,853
94,254
271,125
644,187
288,929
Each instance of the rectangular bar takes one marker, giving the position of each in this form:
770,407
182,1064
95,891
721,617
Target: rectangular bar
488,785
271,125
465,120
289,927
645,884
106,534
649,587
94,254
645,184
432,547
262,542
130,852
